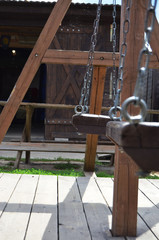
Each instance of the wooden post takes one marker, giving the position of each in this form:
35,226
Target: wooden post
26,136
96,99
29,113
125,178
32,65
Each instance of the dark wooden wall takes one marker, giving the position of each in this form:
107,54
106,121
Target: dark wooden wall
64,82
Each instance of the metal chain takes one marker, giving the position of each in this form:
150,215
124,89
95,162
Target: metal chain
114,50
83,103
143,63
146,51
123,50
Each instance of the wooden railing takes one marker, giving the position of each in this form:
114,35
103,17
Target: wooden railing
27,146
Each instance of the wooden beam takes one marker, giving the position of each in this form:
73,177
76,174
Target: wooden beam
125,180
74,57
53,147
96,99
78,57
32,65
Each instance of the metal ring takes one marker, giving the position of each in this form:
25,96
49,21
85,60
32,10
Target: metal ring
138,102
112,113
81,109
78,109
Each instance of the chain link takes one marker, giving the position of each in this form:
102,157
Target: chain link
146,51
114,50
123,51
83,103
143,63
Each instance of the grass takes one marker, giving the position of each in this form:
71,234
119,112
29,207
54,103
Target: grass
64,167
34,171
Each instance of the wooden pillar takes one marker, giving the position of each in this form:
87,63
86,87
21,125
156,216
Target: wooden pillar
125,178
96,99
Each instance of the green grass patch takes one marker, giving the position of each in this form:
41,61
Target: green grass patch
152,177
66,172
104,174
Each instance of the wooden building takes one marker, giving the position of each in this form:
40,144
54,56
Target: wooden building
20,26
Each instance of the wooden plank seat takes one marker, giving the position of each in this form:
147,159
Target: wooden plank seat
140,141
90,123
53,147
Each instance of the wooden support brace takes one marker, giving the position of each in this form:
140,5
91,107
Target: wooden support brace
32,65
96,99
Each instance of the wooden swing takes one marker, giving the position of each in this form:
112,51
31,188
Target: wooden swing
82,121
90,123
140,141
137,138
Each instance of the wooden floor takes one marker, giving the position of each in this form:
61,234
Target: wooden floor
68,208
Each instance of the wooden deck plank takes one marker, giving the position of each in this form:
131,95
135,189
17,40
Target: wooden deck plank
155,182
72,221
52,147
7,185
143,232
14,219
98,213
81,213
149,212
150,190
106,186
44,212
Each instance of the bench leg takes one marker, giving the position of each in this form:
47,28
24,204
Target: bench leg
18,158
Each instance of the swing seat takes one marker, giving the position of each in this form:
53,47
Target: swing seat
90,123
140,141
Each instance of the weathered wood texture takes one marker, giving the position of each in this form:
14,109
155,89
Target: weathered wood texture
96,99
90,123
139,141
52,147
32,65
125,168
70,78
69,208
74,57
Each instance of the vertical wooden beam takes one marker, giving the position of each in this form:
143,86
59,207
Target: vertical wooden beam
32,65
125,179
29,114
26,136
96,99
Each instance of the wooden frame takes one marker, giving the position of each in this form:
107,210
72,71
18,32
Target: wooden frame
125,196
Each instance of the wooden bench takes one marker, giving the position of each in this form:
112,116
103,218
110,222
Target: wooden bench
52,147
